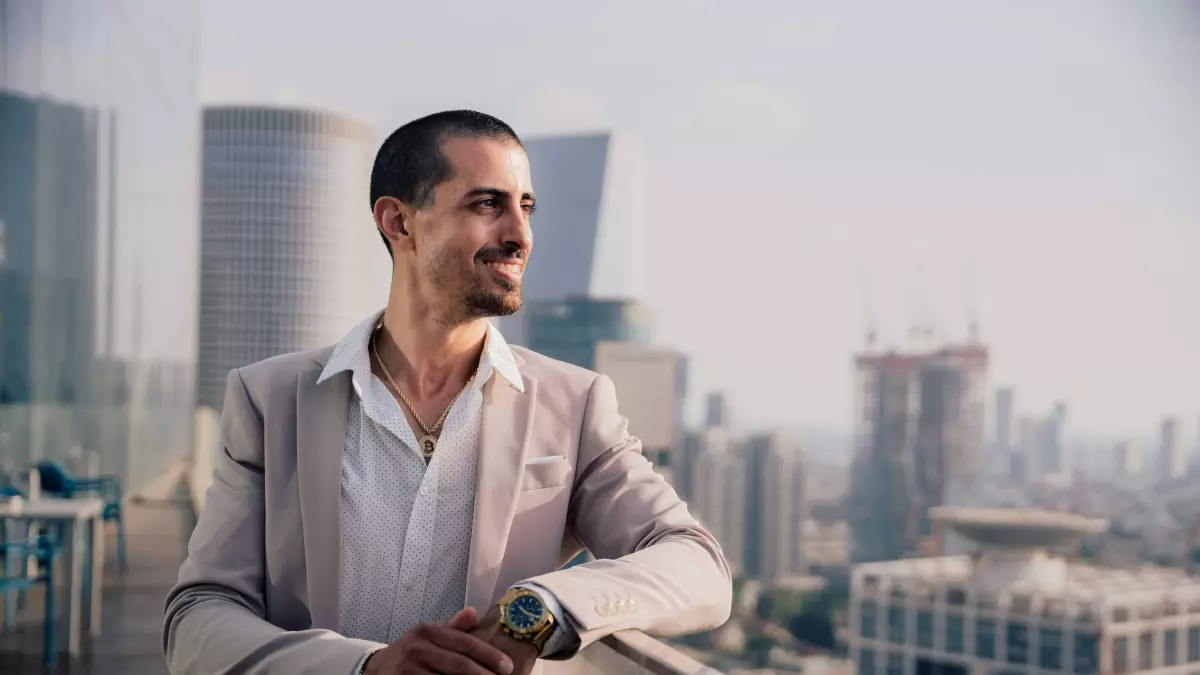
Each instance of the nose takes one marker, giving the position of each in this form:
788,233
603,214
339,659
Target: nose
518,235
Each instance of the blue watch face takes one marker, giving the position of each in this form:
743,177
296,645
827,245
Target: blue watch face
524,612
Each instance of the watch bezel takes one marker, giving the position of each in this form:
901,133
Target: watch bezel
539,631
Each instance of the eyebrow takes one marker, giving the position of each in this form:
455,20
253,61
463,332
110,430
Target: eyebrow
497,193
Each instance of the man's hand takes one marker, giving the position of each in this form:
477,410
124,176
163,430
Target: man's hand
523,654
452,649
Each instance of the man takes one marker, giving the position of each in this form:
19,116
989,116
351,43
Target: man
377,498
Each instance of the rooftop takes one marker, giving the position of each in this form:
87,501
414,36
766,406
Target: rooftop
1081,582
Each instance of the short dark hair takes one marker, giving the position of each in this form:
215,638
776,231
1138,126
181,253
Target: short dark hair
410,163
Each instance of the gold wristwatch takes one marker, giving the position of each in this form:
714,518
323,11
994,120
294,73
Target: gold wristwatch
525,617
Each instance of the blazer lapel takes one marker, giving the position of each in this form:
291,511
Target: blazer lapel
320,439
507,420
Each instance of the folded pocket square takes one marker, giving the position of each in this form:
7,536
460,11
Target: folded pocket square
545,460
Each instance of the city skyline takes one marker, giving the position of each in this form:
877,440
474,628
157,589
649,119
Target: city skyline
825,154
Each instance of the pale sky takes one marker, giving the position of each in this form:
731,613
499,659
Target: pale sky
797,154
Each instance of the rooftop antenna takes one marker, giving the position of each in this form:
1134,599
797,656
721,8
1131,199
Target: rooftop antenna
921,332
872,328
972,306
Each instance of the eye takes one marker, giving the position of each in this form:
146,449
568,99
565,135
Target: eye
529,208
489,204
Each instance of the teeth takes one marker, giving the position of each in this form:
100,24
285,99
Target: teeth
508,268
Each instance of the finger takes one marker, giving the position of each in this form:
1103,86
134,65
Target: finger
472,647
449,662
465,620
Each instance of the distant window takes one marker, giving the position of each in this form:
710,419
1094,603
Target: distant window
866,662
985,638
896,625
1193,644
1087,654
1050,649
925,629
868,617
1171,647
895,664
1146,651
1017,642
1120,655
954,633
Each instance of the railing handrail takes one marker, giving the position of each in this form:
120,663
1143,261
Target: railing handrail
655,656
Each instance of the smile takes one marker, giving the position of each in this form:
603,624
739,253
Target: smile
509,270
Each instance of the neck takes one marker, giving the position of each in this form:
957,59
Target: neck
430,356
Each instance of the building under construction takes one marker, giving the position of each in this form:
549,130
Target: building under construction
919,440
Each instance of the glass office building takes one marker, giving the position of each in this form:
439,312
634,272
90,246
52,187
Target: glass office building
99,183
569,329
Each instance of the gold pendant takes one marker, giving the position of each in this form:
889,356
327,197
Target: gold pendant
428,445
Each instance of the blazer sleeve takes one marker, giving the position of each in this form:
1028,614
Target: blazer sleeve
215,619
657,569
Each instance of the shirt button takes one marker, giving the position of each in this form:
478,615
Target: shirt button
424,490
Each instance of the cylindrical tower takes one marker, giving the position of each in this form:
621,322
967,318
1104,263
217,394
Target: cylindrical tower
289,258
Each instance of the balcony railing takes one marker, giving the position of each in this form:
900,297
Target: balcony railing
626,653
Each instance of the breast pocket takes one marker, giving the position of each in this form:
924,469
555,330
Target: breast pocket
545,472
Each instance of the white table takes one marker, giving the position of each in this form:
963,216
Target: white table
73,514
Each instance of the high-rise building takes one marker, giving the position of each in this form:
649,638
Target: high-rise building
716,410
1004,419
718,490
1172,465
651,385
1016,606
569,328
775,509
99,161
1052,453
1127,460
290,256
588,223
918,445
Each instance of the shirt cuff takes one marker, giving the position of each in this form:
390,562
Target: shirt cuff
565,638
362,662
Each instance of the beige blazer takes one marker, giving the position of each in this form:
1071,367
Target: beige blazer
259,591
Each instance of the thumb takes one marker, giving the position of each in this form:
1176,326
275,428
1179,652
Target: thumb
465,620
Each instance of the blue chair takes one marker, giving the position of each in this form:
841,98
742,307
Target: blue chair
44,551
57,482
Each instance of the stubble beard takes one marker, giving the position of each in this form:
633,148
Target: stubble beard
475,299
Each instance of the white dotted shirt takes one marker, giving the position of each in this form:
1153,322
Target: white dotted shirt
406,527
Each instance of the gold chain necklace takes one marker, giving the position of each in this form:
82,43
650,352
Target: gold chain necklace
428,442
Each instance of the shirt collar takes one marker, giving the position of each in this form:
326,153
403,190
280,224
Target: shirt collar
353,353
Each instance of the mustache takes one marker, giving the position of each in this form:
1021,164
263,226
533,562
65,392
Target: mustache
502,253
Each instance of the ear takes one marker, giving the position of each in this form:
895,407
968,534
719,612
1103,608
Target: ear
392,217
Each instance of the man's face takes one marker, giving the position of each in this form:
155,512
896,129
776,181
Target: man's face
472,244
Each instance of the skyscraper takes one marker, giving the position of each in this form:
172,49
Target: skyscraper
1052,458
569,328
1004,418
919,441
775,508
716,410
1127,460
1172,465
588,228
718,490
99,160
290,256
651,385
